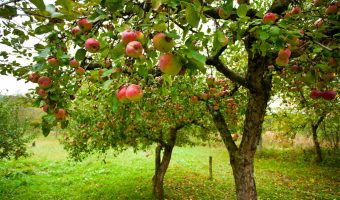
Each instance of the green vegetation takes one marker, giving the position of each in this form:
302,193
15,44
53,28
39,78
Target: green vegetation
48,174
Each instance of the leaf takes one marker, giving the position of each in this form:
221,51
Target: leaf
80,54
51,9
107,73
67,4
43,29
8,12
264,35
107,84
45,129
115,104
161,27
64,124
192,16
275,30
242,10
39,4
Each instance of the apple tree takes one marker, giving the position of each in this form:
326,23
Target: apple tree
191,37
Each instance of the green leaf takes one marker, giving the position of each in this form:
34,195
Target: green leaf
242,10
51,9
67,4
8,12
107,73
43,29
264,35
107,84
115,104
80,54
161,27
46,129
64,124
192,16
39,4
118,50
275,30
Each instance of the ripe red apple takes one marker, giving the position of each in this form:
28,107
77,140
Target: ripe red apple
134,49
269,18
45,108
134,92
84,24
315,94
74,63
295,68
281,62
92,45
170,64
42,93
194,99
328,94
284,53
332,9
296,10
128,36
44,82
75,31
162,42
60,114
121,94
53,61
33,77
80,71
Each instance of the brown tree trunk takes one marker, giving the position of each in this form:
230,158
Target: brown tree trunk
315,139
161,165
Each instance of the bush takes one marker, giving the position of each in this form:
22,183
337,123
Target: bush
12,129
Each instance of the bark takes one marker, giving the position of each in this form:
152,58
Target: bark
315,139
161,165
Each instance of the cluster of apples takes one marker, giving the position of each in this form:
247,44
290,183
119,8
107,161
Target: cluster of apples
84,25
283,57
132,40
132,92
327,94
295,10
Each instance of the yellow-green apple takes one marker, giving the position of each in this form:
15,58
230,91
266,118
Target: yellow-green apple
170,64
134,92
84,24
284,53
44,82
92,45
269,18
162,42
134,49
140,36
281,62
128,36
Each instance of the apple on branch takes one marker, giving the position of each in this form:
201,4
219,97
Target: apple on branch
52,61
162,42
134,49
44,82
269,18
84,24
129,36
33,77
134,92
170,64
92,45
74,63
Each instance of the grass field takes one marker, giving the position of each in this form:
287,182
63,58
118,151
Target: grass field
49,174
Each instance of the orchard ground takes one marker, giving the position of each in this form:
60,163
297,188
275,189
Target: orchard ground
48,174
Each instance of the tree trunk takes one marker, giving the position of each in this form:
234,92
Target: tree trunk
161,165
315,139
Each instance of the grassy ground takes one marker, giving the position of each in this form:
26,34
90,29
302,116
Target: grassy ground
48,174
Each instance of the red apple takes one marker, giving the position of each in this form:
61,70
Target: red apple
295,68
53,61
60,114
328,94
92,45
281,62
284,53
134,92
204,96
45,108
75,31
33,77
74,63
84,24
134,49
170,64
128,36
42,93
162,42
296,10
194,99
121,94
269,18
140,36
315,94
332,9
44,82
210,81
80,71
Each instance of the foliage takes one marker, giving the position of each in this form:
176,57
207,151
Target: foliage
13,127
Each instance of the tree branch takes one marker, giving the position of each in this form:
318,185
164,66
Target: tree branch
214,13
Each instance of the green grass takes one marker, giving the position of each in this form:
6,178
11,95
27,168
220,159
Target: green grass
48,174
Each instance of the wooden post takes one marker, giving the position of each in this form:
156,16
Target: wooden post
210,168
